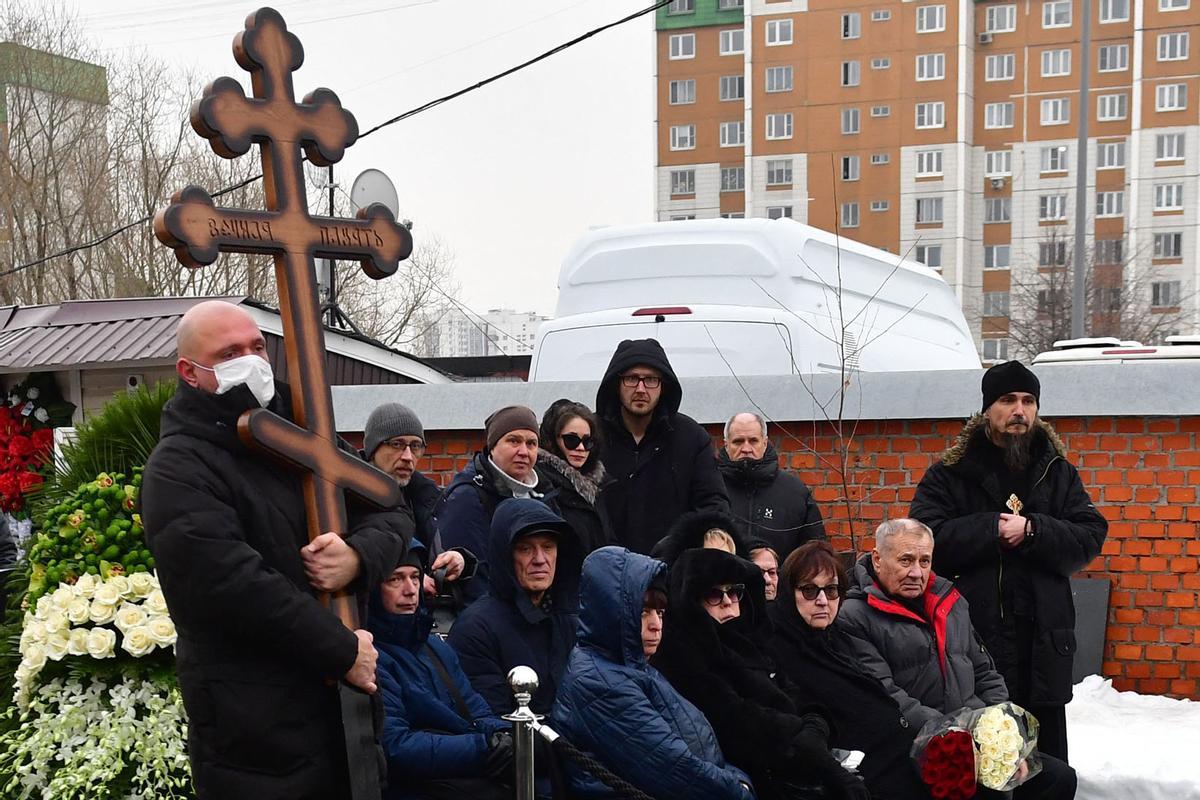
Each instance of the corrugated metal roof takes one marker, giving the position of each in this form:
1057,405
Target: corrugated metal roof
90,343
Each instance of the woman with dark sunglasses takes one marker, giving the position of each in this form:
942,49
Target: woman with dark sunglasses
810,649
569,462
714,652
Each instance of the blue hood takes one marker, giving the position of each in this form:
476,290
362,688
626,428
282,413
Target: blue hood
514,517
610,611
401,630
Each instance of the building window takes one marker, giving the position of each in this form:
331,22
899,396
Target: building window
929,254
1114,11
995,304
733,134
849,215
1170,97
1168,147
850,73
1052,207
779,31
852,25
682,217
1173,5
779,126
1056,14
1001,19
1168,245
683,137
995,349
929,211
733,87
851,120
1165,294
682,92
779,172
997,163
929,162
1168,197
733,215
1110,204
730,5
683,45
931,67
880,63
1113,58
733,179
732,41
779,79
881,15
1052,254
997,209
931,115
849,168
1000,67
683,181
1110,155
1111,107
681,6
1056,111
779,212
1054,158
1056,63
1110,251
880,205
998,115
1172,46
997,256
881,111
931,19
880,158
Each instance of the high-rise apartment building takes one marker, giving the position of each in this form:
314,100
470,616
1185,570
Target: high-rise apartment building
947,131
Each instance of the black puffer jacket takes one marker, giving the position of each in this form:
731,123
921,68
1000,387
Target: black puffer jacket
575,493
671,471
960,499
770,504
257,651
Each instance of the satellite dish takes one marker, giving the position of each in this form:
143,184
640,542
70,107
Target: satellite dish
372,186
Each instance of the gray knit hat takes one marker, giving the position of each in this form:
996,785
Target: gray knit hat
507,419
387,422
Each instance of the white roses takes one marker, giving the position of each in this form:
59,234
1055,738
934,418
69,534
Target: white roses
999,743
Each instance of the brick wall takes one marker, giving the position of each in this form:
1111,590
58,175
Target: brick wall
1142,473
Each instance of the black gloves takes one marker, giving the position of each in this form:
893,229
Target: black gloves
499,762
846,786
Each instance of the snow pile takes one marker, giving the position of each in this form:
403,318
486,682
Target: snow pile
1128,746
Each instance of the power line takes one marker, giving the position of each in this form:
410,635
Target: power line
400,117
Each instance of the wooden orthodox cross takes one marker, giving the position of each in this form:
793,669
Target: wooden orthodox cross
198,232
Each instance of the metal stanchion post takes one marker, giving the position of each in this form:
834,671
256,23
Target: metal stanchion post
524,682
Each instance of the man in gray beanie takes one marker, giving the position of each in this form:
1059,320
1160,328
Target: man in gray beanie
1012,522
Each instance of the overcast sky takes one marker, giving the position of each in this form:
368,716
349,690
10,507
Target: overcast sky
507,176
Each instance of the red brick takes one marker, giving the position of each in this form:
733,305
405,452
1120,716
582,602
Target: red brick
1164,582
1171,478
1152,564
1099,424
1118,633
1151,530
1120,599
1108,476
1191,581
1162,425
1081,444
1114,444
1125,685
904,445
1139,476
1181,495
1156,460
1136,547
1147,599
1142,443
1189,424
1182,530
1186,564
1071,425
1131,425
1167,670
1178,636
1187,458
1188,654
1167,617
1190,618
1095,460
1159,652
1147,494
1136,512
1129,615
457,448
1120,530
1128,652
1151,686
1146,634
1139,669
1168,547
1181,600
1122,564
1183,688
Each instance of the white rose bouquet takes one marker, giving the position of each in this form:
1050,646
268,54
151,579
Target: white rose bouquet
993,747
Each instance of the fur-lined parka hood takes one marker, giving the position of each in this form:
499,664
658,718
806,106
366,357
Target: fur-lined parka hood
975,426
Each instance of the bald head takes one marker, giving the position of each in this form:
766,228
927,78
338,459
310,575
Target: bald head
212,332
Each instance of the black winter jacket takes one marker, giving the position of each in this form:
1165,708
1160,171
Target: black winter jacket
575,494
256,649
960,499
673,468
688,534
421,495
770,504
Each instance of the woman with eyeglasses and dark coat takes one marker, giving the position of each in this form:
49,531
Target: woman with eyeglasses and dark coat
714,652
811,651
568,464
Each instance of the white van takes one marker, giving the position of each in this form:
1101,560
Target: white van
748,297
1108,350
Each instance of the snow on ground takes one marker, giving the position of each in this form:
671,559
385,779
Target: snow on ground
1128,746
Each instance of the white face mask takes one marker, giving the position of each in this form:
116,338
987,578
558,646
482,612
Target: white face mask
252,370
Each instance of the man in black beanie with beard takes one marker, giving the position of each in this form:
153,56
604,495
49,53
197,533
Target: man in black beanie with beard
1012,523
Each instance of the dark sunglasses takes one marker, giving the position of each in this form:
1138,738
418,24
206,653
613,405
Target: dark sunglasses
810,591
715,595
572,441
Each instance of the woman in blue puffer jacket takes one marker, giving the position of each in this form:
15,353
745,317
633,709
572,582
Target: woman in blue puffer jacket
614,705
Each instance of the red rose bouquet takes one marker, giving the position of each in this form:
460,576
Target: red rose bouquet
992,747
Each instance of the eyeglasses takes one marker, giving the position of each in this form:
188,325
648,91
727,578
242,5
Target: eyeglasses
417,447
810,591
649,381
716,595
572,441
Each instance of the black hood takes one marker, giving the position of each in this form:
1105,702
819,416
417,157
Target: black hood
214,417
749,471
688,534
630,353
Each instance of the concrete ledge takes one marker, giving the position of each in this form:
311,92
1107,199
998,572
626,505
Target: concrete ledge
1141,389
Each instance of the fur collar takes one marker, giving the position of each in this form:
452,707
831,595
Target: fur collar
587,485
955,452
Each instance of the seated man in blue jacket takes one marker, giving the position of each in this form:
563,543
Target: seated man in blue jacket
440,737
616,706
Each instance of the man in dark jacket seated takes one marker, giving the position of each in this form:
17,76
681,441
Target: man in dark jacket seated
616,706
912,630
441,739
